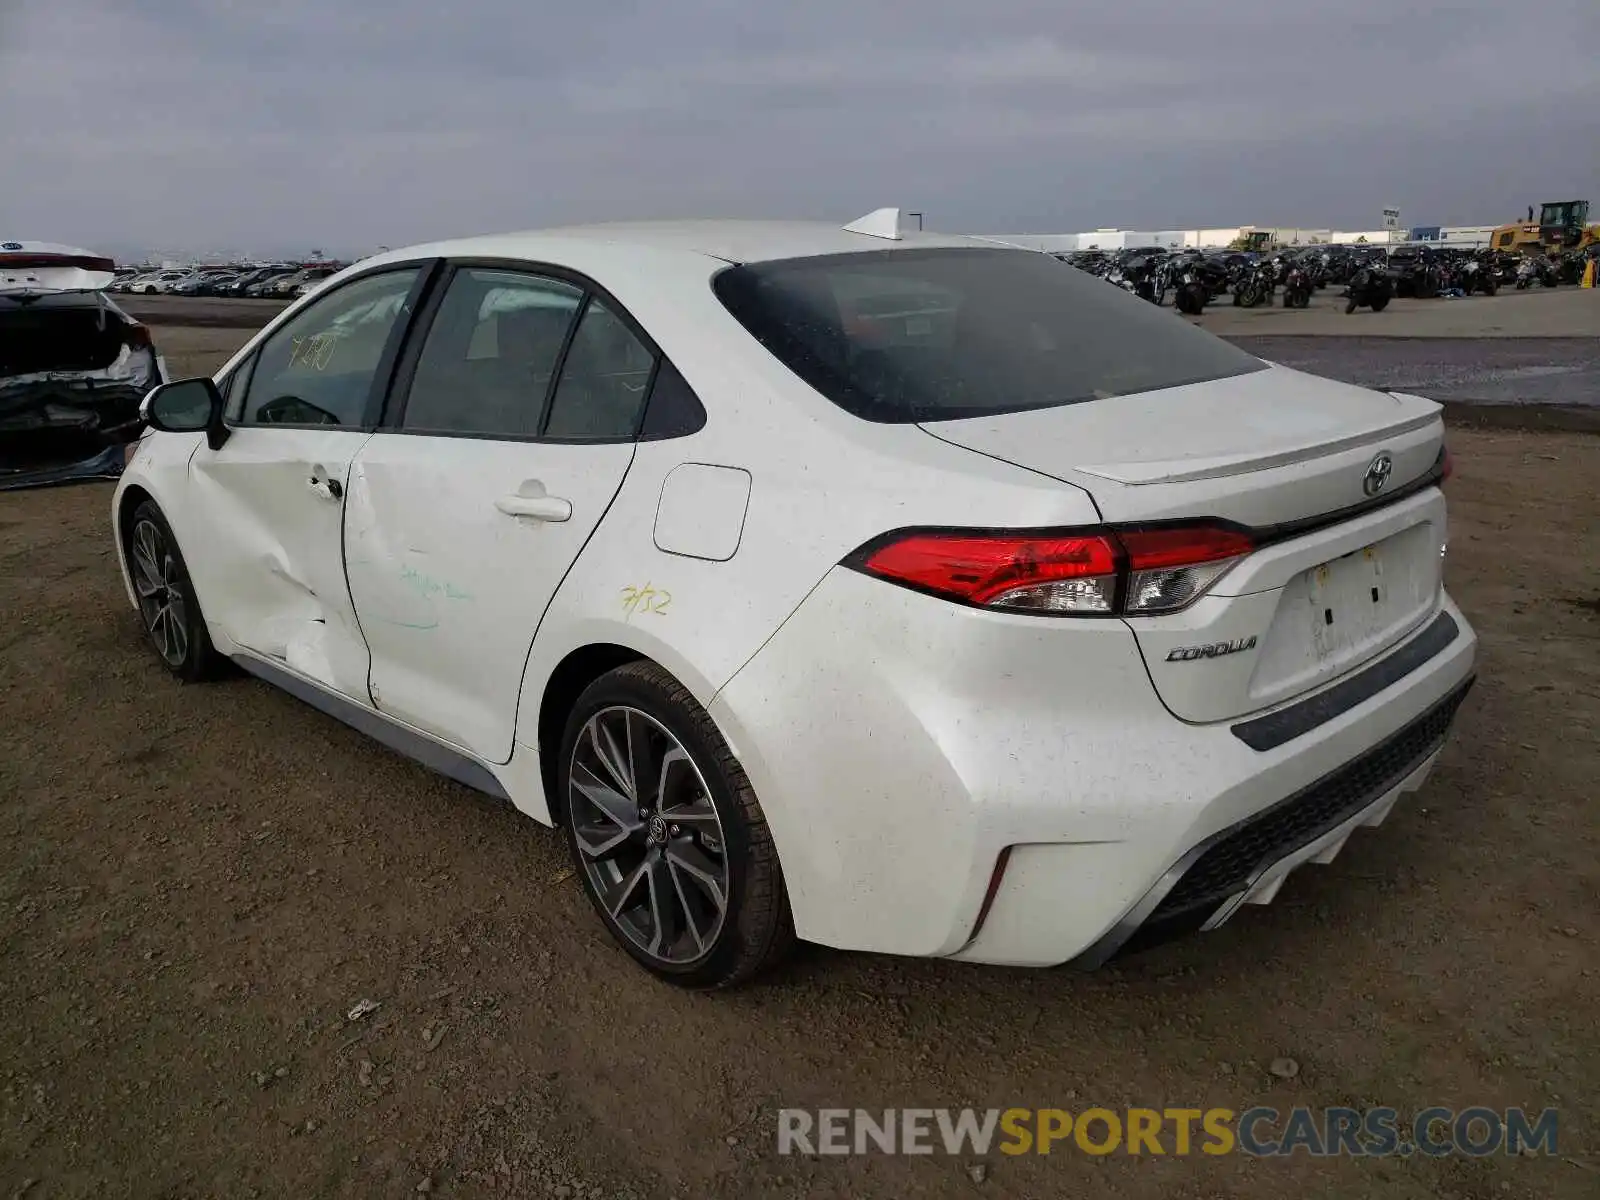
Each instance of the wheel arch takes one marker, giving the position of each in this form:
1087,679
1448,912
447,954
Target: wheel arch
131,496
575,672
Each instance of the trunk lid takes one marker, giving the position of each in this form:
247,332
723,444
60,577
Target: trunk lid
44,268
1341,576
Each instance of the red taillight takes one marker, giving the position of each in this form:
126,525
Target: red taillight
1092,572
1182,545
137,336
1073,573
1447,464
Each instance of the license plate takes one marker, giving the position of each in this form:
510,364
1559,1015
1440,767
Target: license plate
1350,601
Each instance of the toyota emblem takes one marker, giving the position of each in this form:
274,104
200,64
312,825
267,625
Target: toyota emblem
1377,476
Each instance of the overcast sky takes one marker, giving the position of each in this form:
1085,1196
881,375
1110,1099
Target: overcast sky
344,124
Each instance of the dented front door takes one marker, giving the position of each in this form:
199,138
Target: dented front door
274,577
272,496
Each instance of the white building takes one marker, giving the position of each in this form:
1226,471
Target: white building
1207,239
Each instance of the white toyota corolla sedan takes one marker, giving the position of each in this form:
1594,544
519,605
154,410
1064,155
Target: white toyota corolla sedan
895,591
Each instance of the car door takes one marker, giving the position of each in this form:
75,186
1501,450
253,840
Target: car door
514,431
271,571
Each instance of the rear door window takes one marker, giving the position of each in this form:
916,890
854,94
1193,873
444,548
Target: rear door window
491,354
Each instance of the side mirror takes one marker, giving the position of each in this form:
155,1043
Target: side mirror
186,406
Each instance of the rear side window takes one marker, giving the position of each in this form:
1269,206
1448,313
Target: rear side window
604,381
929,335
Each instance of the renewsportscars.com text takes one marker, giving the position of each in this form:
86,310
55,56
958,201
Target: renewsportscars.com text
1260,1131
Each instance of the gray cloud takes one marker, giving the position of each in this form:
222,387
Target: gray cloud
208,123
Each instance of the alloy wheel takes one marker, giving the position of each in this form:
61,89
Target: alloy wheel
157,581
651,841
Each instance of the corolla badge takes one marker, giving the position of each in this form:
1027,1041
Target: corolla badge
1377,476
1211,649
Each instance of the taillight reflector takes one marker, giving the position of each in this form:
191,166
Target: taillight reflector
1447,464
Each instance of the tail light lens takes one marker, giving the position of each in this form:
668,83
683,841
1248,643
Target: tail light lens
1137,572
1170,567
1447,464
137,336
1071,574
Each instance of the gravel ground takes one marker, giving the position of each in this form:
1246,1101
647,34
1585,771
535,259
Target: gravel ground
199,883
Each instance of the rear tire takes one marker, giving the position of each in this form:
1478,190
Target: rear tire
168,606
1381,303
667,834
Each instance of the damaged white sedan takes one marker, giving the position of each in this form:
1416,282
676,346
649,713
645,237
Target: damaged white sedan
73,367
894,591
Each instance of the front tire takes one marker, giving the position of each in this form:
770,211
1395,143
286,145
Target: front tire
667,834
168,607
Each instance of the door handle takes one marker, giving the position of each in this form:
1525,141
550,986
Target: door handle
328,489
540,508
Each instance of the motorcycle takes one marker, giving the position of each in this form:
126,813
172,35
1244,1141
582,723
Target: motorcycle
1369,287
1256,286
1133,277
1536,269
1190,291
1297,287
1477,275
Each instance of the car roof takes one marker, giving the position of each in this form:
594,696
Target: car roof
734,241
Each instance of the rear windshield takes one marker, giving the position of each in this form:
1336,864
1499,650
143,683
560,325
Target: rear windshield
929,335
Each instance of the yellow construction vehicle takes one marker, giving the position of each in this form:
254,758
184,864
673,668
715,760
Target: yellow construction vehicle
1562,225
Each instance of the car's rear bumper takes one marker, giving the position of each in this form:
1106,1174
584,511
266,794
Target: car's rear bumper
1248,862
948,781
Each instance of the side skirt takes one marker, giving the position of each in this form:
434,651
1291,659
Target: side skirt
402,739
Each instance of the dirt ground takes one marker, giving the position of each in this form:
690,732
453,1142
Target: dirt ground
198,883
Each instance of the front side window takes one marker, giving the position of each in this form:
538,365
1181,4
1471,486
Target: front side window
490,354
928,335
319,368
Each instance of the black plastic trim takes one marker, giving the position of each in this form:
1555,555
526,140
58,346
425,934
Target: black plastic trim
1277,728
434,755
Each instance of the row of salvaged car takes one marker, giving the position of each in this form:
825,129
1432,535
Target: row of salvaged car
275,281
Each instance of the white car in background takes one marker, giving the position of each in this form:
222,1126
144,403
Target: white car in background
158,281
901,592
